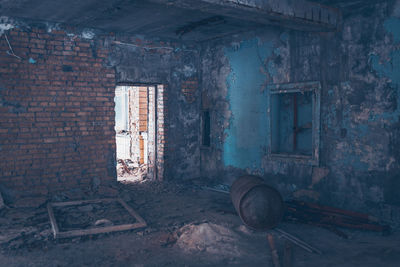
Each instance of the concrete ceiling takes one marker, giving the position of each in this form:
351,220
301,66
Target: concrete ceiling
350,6
347,3
194,20
129,16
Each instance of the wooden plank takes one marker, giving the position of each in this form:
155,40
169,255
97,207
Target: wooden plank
79,202
274,252
53,221
287,255
132,212
100,230
298,241
125,167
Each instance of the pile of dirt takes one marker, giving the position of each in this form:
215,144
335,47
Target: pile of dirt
210,238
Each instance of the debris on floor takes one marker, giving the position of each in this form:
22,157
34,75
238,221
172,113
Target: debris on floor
129,171
185,228
330,218
297,241
210,238
22,228
29,202
168,239
222,188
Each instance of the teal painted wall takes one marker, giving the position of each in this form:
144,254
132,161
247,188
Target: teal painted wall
389,68
248,131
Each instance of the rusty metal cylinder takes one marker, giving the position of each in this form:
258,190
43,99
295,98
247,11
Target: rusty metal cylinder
259,206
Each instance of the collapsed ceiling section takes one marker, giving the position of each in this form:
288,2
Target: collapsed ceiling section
194,20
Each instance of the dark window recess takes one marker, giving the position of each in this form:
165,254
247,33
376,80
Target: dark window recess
206,128
292,117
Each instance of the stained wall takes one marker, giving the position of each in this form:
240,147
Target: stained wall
357,67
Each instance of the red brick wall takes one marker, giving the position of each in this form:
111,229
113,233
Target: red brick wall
143,109
56,112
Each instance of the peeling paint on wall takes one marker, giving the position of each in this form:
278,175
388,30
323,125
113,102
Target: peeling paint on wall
88,34
246,137
390,69
5,24
359,69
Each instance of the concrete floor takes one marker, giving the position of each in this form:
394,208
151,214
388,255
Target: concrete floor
167,208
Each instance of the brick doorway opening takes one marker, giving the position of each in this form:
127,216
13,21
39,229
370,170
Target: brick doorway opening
139,117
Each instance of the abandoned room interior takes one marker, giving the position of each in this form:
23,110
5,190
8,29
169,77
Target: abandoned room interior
200,133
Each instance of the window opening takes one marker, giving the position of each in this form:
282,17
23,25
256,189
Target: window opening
295,118
206,128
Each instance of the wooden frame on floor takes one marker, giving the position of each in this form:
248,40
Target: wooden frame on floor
140,222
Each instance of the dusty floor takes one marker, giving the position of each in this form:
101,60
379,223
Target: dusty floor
216,237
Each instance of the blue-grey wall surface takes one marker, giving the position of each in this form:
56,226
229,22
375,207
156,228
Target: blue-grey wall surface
359,70
246,136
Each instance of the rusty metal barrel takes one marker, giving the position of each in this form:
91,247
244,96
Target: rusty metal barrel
259,206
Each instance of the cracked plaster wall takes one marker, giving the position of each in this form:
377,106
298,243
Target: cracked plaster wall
360,106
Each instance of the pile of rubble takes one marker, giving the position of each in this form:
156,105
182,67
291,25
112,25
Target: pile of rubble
128,170
21,228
